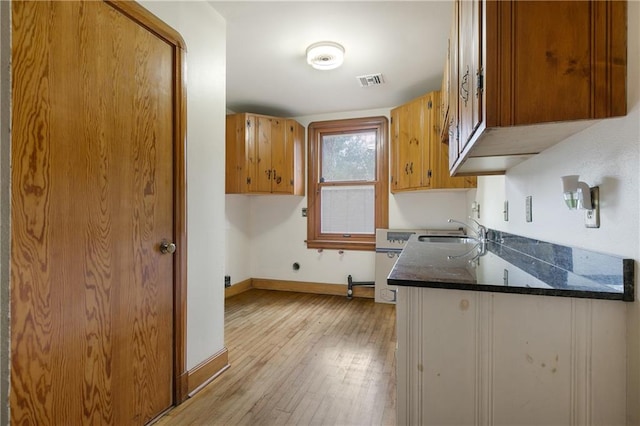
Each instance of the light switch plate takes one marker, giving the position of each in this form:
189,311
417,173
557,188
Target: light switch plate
529,215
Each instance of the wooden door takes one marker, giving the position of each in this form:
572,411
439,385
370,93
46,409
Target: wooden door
395,149
403,150
469,69
281,158
295,156
264,141
239,155
454,113
429,122
416,142
94,134
441,179
409,118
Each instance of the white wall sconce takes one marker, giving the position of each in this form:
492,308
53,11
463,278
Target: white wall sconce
578,195
325,55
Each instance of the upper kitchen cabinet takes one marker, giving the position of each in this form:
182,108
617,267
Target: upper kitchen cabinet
409,146
264,155
419,160
529,74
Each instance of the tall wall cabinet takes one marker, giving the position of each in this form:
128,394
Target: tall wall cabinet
419,160
264,155
525,75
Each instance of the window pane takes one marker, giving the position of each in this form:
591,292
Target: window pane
348,209
349,157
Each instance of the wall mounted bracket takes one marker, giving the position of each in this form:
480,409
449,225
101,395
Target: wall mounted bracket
592,217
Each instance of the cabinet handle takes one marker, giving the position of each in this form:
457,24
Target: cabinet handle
464,89
268,173
411,167
274,175
406,169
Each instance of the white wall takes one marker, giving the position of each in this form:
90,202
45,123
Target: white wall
607,155
204,32
266,233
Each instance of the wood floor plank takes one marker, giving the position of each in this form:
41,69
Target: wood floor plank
300,359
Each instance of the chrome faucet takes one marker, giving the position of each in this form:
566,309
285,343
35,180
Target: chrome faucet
480,236
480,233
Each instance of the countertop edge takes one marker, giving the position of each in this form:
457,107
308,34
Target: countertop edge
510,290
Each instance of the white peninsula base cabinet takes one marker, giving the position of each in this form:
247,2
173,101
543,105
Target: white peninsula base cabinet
482,358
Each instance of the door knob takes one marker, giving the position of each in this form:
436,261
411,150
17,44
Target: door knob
167,248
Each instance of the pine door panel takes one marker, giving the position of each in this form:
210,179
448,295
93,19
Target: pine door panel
281,157
92,196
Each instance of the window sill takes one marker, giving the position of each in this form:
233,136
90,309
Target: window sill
341,245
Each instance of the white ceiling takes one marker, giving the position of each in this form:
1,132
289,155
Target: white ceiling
267,72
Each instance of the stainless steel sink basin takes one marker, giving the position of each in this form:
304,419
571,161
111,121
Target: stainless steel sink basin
454,239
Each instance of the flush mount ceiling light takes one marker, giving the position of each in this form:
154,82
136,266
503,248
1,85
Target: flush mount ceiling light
325,55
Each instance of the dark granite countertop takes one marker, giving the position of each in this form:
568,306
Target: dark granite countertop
509,263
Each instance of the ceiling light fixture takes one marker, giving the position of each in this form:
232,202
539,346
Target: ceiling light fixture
325,55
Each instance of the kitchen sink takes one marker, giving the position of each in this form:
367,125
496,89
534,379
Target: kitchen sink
453,239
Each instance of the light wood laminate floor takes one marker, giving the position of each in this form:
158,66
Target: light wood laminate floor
300,359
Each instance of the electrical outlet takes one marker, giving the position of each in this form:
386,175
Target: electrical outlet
304,212
475,208
227,281
529,214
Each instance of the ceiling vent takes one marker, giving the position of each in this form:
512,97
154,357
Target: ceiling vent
370,80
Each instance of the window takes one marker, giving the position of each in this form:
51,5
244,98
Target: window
348,183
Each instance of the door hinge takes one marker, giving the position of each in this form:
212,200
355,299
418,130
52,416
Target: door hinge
429,174
248,123
430,104
480,82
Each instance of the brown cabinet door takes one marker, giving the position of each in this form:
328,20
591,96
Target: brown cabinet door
266,127
469,70
443,109
239,136
291,165
454,145
281,158
92,326
418,142
429,123
408,146
394,148
572,69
